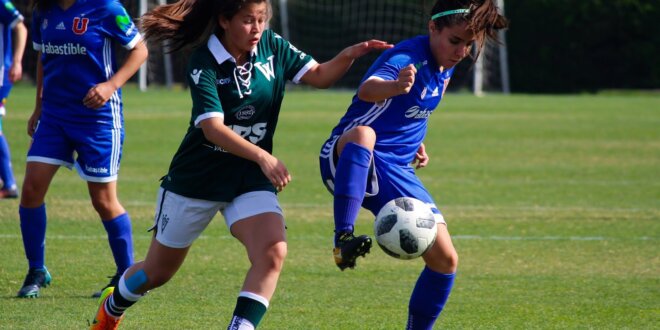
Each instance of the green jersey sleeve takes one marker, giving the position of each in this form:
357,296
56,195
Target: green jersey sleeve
201,77
294,62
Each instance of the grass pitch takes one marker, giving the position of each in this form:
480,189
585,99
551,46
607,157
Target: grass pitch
553,203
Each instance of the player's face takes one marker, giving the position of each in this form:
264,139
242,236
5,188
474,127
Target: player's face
451,44
243,31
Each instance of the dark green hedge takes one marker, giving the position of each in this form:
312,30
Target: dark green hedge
583,45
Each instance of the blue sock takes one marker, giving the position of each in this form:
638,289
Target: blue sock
120,239
350,185
6,173
428,299
33,229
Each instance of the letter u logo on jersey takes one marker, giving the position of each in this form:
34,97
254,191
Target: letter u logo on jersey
80,25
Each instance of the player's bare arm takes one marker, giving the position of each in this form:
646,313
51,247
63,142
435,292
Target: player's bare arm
98,95
219,134
326,74
376,89
19,39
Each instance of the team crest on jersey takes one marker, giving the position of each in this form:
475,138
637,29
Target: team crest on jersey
246,113
80,25
44,24
423,93
267,69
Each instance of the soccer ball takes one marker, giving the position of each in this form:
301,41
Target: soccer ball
405,228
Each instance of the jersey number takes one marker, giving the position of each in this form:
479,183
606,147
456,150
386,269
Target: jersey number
254,133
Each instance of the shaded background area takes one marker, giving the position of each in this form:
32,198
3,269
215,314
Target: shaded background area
554,46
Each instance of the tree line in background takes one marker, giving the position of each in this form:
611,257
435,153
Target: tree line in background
554,46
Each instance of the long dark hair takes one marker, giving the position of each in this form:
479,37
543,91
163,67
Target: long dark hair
41,5
483,19
189,22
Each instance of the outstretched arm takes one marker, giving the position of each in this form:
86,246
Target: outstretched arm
98,95
325,74
19,38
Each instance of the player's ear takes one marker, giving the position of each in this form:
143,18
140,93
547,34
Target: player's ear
432,27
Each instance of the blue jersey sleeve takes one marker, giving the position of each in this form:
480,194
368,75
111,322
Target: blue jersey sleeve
36,31
389,69
9,15
119,26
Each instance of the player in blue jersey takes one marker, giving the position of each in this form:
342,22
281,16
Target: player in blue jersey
368,159
13,36
78,112
237,78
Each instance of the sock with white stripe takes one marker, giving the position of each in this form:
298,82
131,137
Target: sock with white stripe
250,309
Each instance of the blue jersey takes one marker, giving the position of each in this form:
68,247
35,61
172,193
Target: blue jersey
76,48
9,17
400,122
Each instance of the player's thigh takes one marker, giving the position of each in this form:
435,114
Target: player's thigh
179,220
256,220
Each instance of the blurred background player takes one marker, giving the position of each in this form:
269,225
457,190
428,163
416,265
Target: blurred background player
12,41
237,78
78,109
368,159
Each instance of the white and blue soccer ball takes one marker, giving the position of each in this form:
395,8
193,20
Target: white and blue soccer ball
405,228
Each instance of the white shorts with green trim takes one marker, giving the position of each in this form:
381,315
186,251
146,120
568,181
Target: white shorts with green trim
180,220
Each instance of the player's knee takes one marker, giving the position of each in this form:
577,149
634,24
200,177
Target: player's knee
107,208
365,136
445,262
273,259
32,194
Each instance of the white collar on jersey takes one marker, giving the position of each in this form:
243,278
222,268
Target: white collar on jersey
220,53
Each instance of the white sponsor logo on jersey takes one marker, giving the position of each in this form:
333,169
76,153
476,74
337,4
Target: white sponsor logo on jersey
435,92
246,113
195,75
415,112
60,26
96,169
66,49
267,69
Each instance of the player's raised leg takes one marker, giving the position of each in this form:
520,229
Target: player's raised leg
160,265
32,213
264,238
434,283
354,148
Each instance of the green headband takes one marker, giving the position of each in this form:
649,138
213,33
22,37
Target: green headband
450,12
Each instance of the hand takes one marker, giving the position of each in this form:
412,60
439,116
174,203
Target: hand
421,157
15,72
275,171
98,95
406,79
365,47
33,121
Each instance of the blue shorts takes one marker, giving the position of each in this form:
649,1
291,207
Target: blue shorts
97,148
386,181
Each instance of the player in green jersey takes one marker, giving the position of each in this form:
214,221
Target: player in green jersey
224,164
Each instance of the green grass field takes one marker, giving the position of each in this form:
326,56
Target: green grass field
553,203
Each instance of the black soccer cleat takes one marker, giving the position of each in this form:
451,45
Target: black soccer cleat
348,248
114,282
34,281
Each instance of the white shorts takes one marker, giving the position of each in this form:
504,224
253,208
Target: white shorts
180,220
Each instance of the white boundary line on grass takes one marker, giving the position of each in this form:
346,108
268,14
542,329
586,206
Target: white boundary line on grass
454,237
